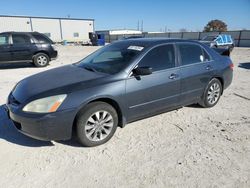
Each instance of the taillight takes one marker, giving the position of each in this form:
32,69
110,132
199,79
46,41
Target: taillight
53,46
231,65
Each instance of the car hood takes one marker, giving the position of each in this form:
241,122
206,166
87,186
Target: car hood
52,82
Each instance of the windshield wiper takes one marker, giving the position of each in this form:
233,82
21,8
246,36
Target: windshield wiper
90,68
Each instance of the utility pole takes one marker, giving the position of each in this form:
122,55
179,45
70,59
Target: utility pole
142,26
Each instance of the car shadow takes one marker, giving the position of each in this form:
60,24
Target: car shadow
16,65
9,133
73,142
194,106
244,65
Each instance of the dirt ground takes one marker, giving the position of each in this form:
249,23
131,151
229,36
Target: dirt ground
189,147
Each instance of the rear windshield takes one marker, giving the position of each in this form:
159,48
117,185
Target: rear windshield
42,38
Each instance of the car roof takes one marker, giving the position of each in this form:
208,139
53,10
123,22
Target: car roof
147,42
19,32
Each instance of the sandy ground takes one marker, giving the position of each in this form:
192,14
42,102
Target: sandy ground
189,147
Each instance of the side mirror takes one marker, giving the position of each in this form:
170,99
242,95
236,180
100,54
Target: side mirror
140,71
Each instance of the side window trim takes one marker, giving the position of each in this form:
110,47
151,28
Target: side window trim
10,39
179,54
149,50
205,50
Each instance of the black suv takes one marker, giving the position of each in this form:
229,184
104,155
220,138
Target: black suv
26,47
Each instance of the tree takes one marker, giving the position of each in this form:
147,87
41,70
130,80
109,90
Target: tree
215,25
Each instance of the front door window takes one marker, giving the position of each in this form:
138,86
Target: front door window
4,39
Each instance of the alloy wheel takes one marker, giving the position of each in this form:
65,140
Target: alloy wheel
99,125
213,93
42,60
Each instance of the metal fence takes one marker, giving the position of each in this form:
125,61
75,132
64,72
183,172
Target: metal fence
241,38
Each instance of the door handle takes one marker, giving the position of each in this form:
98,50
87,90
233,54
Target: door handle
173,76
208,67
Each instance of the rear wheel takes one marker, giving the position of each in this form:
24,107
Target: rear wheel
96,124
226,53
212,93
41,60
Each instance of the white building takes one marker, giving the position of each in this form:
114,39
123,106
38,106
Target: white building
58,29
120,32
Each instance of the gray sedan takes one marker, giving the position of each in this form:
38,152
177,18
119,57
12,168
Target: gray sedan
122,82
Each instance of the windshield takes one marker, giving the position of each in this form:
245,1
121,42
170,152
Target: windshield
111,59
209,38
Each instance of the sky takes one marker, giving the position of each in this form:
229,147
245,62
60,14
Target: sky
157,15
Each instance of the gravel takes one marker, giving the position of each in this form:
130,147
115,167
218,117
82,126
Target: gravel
189,147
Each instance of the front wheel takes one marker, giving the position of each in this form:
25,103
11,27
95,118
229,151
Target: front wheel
212,93
96,124
41,60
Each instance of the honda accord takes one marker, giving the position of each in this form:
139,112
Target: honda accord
122,82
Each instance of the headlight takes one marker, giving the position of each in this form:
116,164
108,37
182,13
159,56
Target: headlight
45,105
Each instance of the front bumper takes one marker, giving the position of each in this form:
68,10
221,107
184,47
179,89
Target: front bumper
47,127
227,77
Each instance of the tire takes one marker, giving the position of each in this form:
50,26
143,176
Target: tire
96,124
211,94
226,53
41,60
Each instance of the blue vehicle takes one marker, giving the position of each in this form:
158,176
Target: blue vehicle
222,43
120,83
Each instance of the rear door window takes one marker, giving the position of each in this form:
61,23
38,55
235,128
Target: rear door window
159,58
21,39
191,54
